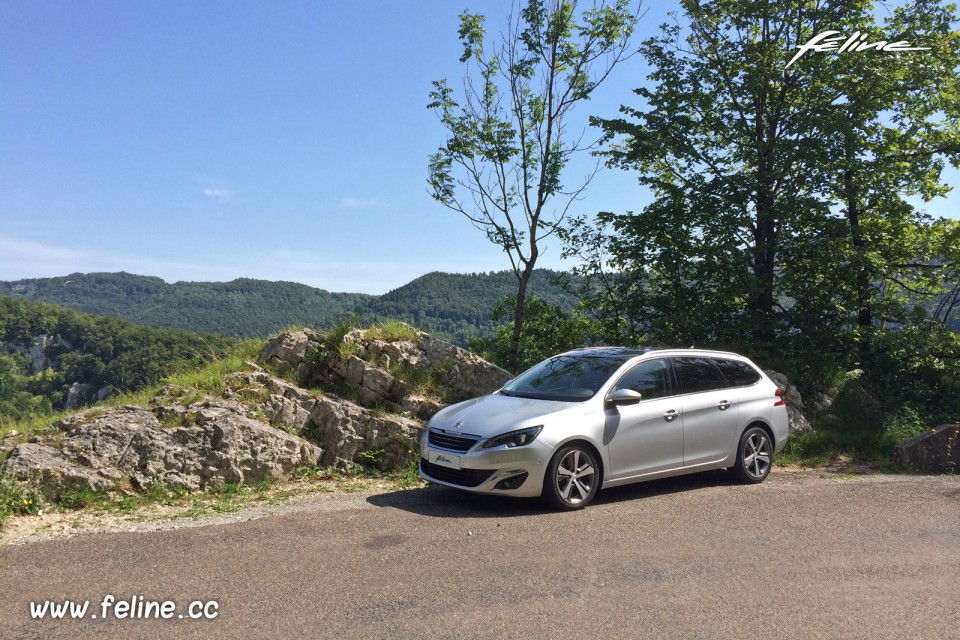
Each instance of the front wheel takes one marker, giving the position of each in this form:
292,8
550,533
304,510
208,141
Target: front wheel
573,477
754,456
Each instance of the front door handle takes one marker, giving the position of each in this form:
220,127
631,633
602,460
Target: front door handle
723,405
670,415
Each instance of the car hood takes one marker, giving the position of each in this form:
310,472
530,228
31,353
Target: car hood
494,414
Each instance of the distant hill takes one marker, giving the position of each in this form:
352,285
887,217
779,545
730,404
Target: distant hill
241,308
455,307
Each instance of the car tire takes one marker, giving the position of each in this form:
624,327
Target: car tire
754,456
573,477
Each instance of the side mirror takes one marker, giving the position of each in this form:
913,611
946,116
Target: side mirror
622,397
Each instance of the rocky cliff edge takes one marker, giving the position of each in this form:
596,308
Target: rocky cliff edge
309,401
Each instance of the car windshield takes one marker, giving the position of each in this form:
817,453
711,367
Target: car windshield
568,378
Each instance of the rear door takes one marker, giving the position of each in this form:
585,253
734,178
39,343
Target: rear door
710,410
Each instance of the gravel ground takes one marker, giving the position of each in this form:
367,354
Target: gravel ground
806,554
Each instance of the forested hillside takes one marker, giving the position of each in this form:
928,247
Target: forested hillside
455,307
51,357
240,308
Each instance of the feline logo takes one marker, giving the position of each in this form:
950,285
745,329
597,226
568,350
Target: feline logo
830,40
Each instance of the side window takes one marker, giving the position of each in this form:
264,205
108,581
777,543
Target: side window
649,379
697,374
737,372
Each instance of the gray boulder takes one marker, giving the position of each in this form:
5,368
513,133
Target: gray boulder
76,395
51,469
374,386
462,375
796,411
937,451
371,373
344,430
291,350
38,354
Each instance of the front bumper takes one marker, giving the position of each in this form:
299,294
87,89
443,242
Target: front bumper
517,471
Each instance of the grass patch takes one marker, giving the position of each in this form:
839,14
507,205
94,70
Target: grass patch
346,350
409,477
73,499
336,334
424,382
858,426
829,444
393,331
17,499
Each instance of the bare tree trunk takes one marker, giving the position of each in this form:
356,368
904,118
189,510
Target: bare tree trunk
765,247
863,280
523,278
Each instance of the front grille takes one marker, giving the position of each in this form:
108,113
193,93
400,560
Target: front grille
462,477
450,441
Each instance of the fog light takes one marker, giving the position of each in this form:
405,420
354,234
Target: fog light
513,482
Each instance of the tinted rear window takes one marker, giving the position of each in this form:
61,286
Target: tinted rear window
697,374
737,373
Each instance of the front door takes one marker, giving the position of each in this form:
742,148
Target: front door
645,437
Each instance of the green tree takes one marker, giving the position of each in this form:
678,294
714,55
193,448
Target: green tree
509,139
548,330
781,193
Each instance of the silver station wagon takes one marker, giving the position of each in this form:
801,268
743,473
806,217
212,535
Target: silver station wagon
608,416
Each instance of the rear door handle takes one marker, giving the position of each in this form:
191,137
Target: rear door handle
723,405
670,415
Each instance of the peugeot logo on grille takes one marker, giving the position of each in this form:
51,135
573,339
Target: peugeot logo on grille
457,426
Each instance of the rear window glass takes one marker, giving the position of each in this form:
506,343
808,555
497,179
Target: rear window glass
737,373
697,374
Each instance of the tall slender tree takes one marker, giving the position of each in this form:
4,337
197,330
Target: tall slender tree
510,137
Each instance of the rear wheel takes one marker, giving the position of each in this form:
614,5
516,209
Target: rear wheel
573,477
754,456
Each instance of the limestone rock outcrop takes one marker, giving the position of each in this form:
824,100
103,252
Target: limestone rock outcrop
366,405
223,446
380,371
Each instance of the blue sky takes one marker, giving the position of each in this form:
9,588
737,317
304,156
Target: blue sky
210,140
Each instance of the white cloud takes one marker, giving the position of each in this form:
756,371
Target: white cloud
358,203
219,194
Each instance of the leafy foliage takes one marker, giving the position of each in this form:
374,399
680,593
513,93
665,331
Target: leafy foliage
548,330
94,351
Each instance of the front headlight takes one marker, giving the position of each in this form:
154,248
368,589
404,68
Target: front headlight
519,438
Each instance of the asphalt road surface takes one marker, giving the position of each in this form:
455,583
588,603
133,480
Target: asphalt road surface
800,556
